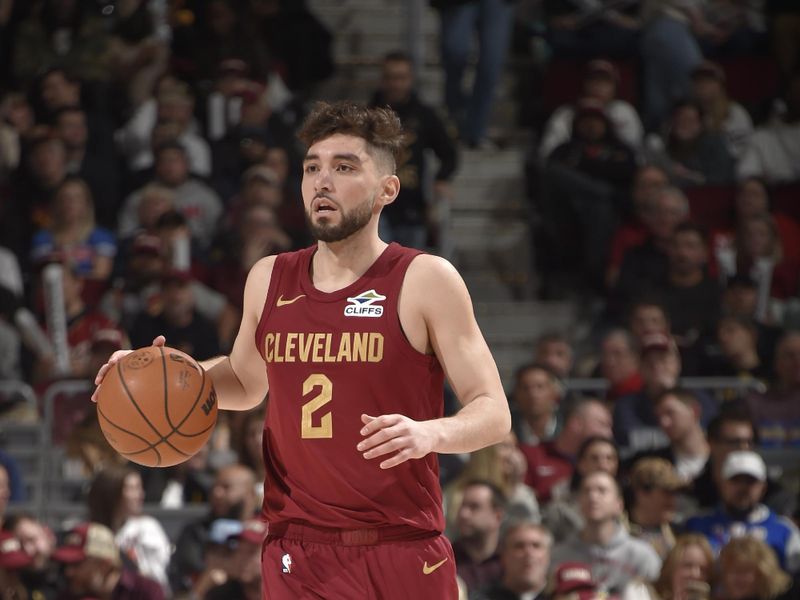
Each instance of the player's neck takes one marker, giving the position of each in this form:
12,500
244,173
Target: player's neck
336,265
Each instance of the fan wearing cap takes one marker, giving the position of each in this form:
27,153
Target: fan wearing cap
245,580
721,113
573,581
636,426
93,567
654,484
40,576
599,83
615,557
13,558
742,486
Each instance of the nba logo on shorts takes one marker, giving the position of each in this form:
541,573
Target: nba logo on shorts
286,560
365,305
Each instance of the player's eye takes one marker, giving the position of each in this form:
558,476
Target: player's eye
310,168
344,168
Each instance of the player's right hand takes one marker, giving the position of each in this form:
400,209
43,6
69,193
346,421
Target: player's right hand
114,359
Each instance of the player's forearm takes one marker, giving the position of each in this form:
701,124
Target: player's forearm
483,422
232,393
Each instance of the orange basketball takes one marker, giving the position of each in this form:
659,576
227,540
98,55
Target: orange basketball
157,407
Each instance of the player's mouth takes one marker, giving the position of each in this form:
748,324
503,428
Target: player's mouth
323,205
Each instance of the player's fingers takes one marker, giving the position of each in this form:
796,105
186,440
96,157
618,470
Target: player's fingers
390,446
367,419
377,438
378,423
397,459
159,340
101,373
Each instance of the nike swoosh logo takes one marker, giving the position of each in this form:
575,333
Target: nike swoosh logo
282,302
426,570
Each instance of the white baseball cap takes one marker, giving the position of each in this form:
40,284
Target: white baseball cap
744,462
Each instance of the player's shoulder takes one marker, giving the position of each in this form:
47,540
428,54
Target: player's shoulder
429,269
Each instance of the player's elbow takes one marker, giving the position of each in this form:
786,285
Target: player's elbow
502,421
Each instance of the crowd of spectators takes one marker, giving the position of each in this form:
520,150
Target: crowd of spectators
148,160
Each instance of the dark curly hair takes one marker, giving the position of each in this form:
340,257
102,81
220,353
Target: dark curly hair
380,128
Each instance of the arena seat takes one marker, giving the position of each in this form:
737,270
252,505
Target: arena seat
712,205
786,200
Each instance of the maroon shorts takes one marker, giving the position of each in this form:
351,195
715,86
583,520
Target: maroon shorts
299,563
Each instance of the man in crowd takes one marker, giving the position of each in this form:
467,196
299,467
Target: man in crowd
615,557
537,395
742,486
38,542
525,556
619,364
245,580
554,350
654,485
478,532
551,462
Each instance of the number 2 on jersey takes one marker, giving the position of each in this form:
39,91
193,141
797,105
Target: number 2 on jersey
325,428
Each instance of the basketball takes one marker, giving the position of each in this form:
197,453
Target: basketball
157,407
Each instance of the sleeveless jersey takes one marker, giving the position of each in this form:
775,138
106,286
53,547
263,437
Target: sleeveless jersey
331,357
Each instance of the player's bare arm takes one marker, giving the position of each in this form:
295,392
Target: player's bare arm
240,379
436,314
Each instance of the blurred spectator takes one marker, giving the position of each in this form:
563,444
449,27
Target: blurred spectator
189,482
14,479
722,115
553,461
115,499
648,181
691,297
562,516
600,84
5,492
198,202
232,497
246,441
525,557
689,152
648,316
16,123
635,422
245,582
38,541
652,511
647,263
258,234
493,20
737,354
604,544
579,30
217,557
63,34
785,26
13,559
774,150
82,324
742,486
688,569
619,365
732,429
583,181
753,199
90,161
93,568
87,248
138,48
504,466
478,533
777,411
757,252
748,569
407,219
536,398
178,320
554,351
297,40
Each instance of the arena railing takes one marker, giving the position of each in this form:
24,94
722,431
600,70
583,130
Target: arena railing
712,384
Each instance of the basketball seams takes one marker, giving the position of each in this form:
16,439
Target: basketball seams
191,410
150,445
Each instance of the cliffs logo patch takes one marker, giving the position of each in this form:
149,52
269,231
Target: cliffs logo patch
365,305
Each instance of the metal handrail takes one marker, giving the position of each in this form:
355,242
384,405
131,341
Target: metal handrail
587,384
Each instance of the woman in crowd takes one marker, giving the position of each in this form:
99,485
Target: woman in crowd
749,570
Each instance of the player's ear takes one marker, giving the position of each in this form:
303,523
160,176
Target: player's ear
390,189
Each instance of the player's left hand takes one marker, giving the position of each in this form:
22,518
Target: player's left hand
398,435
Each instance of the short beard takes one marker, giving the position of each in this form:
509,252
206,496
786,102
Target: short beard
351,222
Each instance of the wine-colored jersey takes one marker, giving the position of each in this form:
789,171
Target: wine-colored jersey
330,358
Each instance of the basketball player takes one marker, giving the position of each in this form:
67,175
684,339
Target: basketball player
357,337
